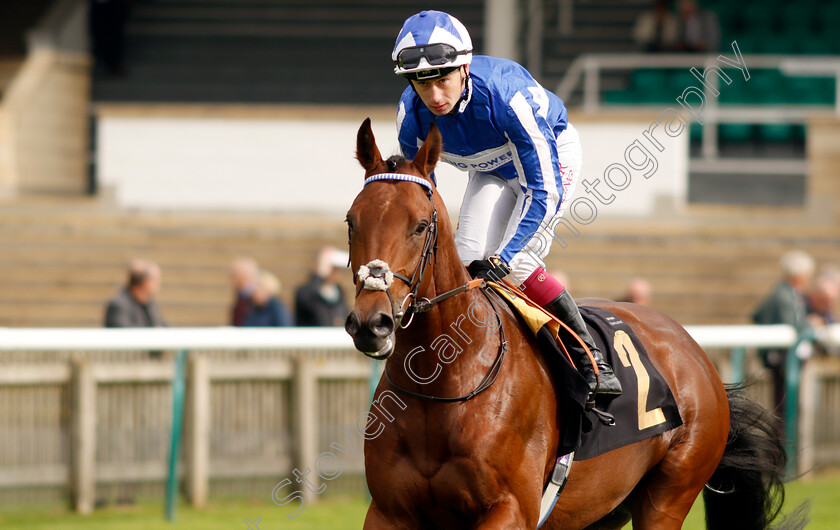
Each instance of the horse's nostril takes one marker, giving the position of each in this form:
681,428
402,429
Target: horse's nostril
351,325
382,325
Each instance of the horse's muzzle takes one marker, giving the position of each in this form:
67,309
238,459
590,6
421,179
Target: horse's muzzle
374,335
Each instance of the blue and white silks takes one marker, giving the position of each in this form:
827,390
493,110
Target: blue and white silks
507,125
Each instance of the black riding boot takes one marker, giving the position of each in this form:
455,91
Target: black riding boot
565,308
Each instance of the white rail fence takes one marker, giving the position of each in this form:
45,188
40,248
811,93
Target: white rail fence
82,410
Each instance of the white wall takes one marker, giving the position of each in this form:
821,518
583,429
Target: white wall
296,165
241,164
605,144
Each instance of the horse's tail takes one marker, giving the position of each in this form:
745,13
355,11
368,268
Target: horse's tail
747,489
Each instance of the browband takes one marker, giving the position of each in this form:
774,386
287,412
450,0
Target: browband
400,176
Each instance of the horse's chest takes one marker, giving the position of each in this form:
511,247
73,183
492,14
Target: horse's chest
461,465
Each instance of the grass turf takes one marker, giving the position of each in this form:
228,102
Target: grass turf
340,514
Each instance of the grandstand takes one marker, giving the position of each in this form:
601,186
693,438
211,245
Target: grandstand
61,259
258,51
65,238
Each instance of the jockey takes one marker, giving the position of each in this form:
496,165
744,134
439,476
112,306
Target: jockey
522,155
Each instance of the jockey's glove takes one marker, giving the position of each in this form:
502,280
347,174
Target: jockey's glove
492,268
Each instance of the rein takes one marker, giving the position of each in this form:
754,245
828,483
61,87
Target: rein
485,383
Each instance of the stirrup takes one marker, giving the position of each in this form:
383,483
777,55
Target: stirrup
604,417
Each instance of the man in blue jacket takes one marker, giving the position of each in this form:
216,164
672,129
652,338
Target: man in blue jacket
522,155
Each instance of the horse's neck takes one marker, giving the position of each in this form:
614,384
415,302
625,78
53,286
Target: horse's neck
457,336
448,274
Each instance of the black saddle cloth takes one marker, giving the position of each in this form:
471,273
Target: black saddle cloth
645,408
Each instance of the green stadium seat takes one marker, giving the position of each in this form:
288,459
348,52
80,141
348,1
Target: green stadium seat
729,17
764,86
759,16
620,97
782,43
651,86
696,132
748,43
775,132
829,17
797,15
735,132
810,90
739,92
815,43
679,80
649,79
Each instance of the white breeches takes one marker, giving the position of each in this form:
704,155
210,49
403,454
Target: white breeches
487,217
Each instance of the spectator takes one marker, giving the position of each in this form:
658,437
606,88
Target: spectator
656,30
830,273
134,306
785,305
699,30
266,309
320,301
638,292
243,276
821,299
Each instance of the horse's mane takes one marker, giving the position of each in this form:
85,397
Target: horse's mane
395,162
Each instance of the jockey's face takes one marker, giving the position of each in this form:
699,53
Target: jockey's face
442,94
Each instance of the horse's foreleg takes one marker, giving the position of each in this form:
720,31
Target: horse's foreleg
376,520
504,514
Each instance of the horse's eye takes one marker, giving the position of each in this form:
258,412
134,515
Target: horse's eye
421,228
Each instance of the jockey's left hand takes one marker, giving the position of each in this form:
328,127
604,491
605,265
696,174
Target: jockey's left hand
492,268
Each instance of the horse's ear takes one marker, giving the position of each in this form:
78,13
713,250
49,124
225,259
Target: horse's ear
366,151
428,155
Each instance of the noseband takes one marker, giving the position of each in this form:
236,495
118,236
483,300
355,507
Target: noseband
377,276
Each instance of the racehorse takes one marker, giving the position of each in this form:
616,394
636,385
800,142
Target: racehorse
472,435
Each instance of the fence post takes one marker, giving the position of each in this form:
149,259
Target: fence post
377,368
305,421
178,391
793,369
738,363
83,444
198,430
809,409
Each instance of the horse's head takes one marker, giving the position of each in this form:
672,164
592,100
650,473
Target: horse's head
393,229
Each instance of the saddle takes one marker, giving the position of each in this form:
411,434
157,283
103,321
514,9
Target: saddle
646,407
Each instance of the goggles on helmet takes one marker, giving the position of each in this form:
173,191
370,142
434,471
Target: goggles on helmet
435,55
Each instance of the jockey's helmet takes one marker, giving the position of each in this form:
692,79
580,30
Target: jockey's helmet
431,44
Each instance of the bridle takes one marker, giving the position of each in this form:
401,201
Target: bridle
377,276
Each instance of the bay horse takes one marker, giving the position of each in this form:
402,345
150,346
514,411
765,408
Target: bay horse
474,438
